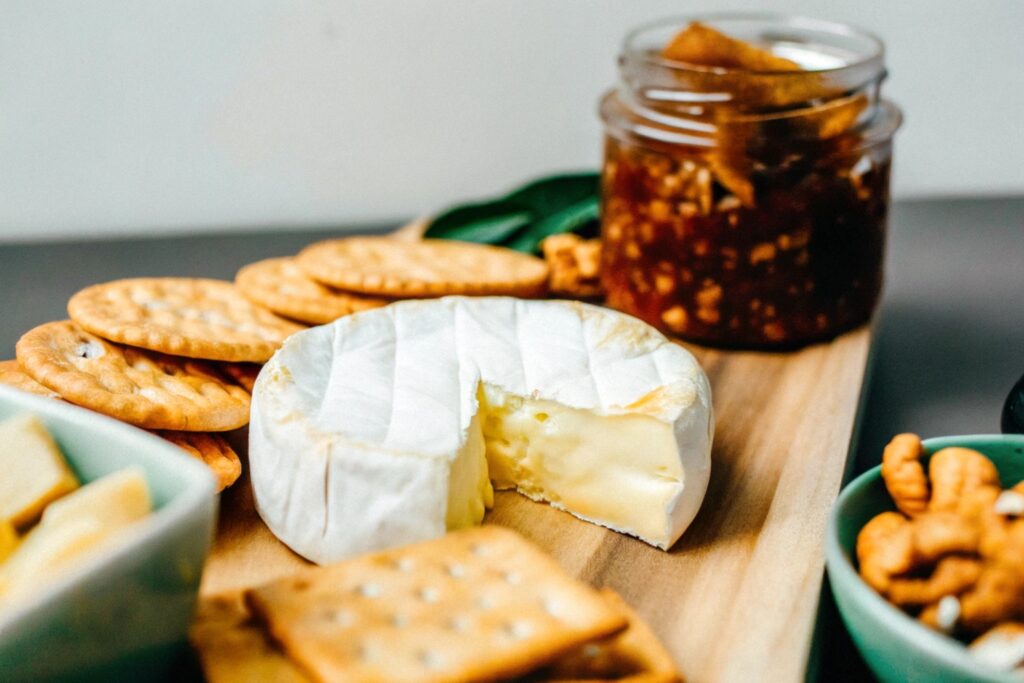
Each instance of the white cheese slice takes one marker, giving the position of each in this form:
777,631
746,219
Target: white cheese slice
115,500
34,471
386,427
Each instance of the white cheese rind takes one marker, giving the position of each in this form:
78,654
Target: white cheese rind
357,426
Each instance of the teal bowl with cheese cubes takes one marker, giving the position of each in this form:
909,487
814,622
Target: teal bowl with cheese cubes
896,646
123,611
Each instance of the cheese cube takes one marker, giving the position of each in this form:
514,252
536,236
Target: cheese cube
34,471
8,540
114,501
43,552
78,524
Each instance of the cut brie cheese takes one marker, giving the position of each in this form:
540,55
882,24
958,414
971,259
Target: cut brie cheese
34,471
621,471
386,427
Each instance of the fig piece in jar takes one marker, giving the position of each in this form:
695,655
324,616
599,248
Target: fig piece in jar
759,82
757,79
700,44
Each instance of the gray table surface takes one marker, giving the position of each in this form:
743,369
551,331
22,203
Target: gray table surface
949,343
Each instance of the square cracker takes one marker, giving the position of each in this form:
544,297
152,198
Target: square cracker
234,648
633,656
482,604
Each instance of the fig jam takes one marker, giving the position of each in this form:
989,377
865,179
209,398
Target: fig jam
804,263
749,224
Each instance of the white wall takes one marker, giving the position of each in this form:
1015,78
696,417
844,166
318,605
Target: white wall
141,116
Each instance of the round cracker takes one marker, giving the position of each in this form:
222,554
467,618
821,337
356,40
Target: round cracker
191,317
280,285
244,374
212,449
140,387
397,268
12,375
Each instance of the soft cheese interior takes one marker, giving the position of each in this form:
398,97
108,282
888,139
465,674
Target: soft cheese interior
620,471
469,486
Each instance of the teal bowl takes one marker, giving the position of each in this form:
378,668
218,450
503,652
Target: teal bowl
120,615
895,646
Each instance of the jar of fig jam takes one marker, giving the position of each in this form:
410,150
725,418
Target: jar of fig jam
745,185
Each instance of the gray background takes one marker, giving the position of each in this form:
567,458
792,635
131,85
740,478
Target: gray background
950,337
121,116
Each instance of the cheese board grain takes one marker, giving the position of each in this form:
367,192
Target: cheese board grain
736,598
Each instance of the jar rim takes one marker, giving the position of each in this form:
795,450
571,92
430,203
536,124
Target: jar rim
876,53
879,130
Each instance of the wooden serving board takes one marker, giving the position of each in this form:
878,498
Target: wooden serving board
736,598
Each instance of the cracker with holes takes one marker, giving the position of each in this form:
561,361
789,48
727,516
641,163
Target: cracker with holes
633,656
140,387
213,450
480,604
384,266
234,648
12,375
190,317
280,285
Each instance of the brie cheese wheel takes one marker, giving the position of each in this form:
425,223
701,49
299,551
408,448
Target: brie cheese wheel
386,427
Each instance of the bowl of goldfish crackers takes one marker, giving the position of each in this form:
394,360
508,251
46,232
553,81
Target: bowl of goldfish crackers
925,557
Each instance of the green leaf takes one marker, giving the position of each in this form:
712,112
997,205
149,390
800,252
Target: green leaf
571,218
488,223
554,193
524,217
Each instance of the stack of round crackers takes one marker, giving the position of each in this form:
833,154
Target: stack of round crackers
179,356
176,356
336,277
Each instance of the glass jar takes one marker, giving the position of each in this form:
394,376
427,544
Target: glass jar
748,208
